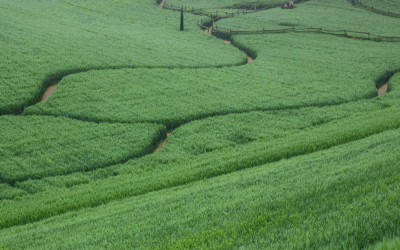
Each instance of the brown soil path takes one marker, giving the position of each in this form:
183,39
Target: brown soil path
161,4
383,90
48,92
209,31
159,146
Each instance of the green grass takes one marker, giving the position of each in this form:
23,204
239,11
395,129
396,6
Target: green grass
291,71
43,41
344,197
176,164
387,244
33,147
294,150
394,83
330,15
383,5
220,4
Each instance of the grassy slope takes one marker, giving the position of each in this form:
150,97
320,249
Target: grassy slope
394,83
33,147
42,41
291,70
331,15
212,4
192,154
383,5
346,196
176,164
387,244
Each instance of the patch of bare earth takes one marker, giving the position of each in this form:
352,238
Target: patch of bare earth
159,146
383,90
49,91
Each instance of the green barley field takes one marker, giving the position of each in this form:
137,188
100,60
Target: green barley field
277,129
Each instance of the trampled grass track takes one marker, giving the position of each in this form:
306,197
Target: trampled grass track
243,111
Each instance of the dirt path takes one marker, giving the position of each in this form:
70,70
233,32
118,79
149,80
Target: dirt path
48,92
159,146
161,4
383,90
209,31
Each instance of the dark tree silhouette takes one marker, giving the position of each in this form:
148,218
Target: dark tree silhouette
182,27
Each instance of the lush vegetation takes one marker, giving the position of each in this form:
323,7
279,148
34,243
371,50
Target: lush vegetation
294,150
383,5
183,161
332,15
220,4
343,197
44,41
299,74
33,147
387,244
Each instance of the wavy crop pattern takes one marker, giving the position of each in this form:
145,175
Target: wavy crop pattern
223,123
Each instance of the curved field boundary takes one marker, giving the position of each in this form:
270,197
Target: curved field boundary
359,4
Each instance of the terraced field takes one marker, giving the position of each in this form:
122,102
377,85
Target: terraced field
285,135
